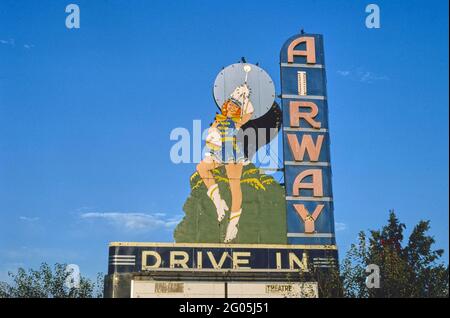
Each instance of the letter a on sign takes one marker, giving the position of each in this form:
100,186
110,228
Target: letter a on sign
310,51
315,185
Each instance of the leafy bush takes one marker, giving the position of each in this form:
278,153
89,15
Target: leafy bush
50,283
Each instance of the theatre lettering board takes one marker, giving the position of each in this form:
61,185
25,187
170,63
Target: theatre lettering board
178,257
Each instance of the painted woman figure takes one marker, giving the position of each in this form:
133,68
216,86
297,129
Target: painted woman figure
225,149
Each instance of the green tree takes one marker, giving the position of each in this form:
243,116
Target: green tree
329,282
47,282
407,269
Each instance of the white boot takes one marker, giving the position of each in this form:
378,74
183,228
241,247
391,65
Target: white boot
232,228
221,205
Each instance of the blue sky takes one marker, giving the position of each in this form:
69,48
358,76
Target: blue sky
86,114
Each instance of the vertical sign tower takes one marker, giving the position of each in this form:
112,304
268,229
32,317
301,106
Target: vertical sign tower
306,142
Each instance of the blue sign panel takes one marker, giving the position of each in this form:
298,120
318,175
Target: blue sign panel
306,142
144,257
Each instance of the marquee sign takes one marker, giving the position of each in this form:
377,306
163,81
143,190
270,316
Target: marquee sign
306,141
145,257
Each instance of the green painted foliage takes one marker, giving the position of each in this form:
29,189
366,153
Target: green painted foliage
263,217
